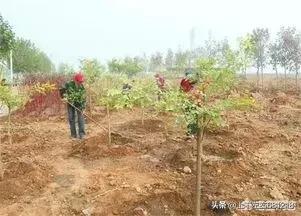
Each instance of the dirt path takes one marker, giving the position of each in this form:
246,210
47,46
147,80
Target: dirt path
79,186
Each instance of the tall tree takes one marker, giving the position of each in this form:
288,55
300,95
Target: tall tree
156,61
274,57
295,62
128,65
181,60
288,48
169,60
226,57
211,47
246,52
7,38
145,62
132,66
260,36
28,58
64,68
114,65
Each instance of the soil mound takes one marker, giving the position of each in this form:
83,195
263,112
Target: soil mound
182,157
280,99
148,126
98,146
23,178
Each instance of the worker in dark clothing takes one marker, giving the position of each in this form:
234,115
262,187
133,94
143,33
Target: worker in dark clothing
126,87
3,82
74,93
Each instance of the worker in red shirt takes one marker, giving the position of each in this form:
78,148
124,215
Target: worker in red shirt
188,82
160,81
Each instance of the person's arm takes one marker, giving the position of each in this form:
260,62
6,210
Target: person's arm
84,99
63,90
193,82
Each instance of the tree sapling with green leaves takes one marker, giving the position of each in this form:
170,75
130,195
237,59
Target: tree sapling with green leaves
12,101
203,106
143,95
113,99
92,70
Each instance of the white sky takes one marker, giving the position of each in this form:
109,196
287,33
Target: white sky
71,29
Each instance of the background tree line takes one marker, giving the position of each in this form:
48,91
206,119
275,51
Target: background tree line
255,49
27,58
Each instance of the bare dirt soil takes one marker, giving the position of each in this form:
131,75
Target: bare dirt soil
257,157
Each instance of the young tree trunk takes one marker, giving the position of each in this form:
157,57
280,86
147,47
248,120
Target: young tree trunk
257,76
285,79
244,72
9,127
296,79
109,125
90,101
262,78
1,165
277,78
200,136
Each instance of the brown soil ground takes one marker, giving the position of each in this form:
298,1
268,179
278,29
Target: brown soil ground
256,157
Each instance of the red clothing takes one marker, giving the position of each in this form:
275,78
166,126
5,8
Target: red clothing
79,78
160,80
186,85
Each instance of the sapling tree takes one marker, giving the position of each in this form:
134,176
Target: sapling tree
246,52
113,99
92,70
142,95
203,108
12,101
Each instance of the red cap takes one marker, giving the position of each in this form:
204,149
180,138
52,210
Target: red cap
79,78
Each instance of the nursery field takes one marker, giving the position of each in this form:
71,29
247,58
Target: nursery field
257,156
131,110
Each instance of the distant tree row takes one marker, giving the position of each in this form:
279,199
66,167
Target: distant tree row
27,58
255,49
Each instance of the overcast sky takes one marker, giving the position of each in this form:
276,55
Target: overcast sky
68,30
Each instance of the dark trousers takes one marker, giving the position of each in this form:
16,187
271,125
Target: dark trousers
76,116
